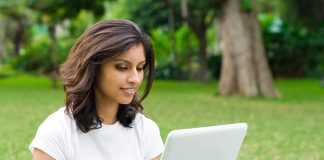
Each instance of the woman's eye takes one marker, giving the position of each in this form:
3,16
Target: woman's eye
140,69
121,68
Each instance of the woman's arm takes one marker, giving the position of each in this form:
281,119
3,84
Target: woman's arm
40,155
157,157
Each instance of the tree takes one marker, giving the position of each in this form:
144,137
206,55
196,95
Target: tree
1,45
293,29
308,17
199,15
162,14
304,13
245,69
171,24
16,16
54,12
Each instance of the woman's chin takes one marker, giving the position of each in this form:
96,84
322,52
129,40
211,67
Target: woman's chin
126,101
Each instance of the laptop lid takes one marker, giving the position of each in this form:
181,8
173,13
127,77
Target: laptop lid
206,143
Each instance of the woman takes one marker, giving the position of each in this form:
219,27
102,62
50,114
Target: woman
103,115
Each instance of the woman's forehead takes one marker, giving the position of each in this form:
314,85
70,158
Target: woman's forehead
134,54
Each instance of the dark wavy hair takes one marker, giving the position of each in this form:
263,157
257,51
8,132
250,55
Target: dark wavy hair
104,40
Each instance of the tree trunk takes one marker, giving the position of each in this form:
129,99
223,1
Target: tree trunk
203,74
54,64
18,38
2,53
171,24
245,68
199,27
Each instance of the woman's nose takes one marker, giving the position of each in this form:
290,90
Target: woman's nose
134,77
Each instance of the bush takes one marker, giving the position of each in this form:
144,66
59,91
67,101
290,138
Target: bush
7,71
214,66
35,56
293,51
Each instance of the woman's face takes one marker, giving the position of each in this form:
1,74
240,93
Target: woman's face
118,79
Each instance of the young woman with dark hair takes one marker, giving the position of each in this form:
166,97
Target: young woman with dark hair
102,117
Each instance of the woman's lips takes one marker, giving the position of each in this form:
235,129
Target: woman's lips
130,91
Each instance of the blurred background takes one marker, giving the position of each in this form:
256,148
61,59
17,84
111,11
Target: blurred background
217,62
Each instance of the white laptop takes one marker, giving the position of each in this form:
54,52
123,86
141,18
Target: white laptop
206,143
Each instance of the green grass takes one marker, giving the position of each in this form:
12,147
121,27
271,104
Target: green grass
289,128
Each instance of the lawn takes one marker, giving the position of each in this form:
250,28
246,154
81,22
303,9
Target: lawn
289,128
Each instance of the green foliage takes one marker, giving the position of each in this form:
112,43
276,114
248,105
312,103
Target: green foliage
198,8
63,48
214,66
288,128
148,14
35,56
53,11
161,46
292,50
15,8
7,71
214,59
246,5
186,45
294,43
80,23
187,48
305,13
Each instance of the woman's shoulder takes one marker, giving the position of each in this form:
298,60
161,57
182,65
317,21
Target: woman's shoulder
143,122
51,135
57,119
59,115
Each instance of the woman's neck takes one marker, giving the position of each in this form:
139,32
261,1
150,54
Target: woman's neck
107,111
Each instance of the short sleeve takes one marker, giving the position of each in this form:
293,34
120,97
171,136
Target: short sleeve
154,145
49,138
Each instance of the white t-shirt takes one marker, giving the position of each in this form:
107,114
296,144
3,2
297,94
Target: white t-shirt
59,137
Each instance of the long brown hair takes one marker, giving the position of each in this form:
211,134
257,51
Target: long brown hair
104,40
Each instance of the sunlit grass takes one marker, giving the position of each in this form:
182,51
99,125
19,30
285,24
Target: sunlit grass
287,128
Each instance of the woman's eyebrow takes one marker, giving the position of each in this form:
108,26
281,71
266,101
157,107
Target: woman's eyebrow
118,59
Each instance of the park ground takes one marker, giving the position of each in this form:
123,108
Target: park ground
288,128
